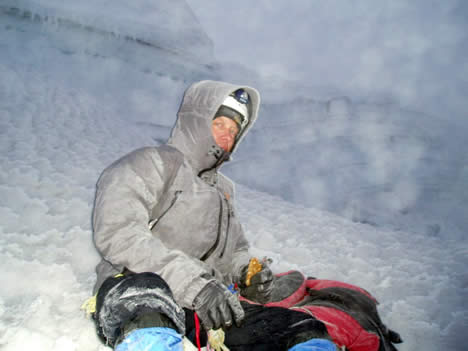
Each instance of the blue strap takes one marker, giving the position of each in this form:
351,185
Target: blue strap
152,339
315,345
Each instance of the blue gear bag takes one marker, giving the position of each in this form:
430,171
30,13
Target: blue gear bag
315,345
152,339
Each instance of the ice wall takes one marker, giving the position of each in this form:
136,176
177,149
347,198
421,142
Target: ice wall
169,25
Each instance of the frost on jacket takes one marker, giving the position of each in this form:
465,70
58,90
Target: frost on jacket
169,210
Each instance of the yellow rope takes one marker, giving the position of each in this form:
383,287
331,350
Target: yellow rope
89,306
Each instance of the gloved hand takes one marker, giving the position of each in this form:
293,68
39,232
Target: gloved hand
261,285
217,307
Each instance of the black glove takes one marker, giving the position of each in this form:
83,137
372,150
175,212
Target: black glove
217,307
261,285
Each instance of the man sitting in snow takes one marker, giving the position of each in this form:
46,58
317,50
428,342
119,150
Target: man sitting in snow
171,245
168,209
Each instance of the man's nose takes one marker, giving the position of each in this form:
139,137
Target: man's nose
228,136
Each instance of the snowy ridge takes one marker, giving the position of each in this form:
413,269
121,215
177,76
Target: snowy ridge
170,25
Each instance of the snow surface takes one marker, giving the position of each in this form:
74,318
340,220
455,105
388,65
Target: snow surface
73,100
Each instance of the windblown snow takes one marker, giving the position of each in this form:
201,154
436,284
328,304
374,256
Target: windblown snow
73,100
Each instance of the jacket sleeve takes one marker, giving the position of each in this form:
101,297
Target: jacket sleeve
126,193
241,255
241,258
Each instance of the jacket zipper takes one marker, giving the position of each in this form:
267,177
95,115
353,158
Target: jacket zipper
153,223
218,236
227,229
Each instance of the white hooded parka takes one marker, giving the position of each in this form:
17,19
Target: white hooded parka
169,210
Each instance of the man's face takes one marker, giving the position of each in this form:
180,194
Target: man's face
224,132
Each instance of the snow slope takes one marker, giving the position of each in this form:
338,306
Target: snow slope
67,111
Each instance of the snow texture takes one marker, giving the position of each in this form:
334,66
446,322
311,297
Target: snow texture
72,100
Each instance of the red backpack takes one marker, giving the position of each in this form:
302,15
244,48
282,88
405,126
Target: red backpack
348,311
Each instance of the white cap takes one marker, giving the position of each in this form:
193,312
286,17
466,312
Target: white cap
238,102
